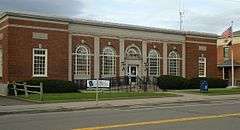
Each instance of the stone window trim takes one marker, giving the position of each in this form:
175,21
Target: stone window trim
40,55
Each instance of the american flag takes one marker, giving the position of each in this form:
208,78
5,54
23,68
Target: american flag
227,33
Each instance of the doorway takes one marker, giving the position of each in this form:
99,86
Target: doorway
132,73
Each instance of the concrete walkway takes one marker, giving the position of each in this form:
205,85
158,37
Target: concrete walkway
7,101
54,107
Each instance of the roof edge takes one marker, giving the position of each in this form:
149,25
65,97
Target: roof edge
104,24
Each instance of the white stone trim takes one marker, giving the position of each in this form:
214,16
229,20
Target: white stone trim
122,55
144,57
223,73
1,62
96,56
83,35
70,57
210,38
133,39
197,42
38,20
165,59
3,27
123,33
35,27
5,18
160,41
184,60
109,37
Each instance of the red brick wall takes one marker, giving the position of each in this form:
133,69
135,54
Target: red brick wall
4,46
193,53
21,44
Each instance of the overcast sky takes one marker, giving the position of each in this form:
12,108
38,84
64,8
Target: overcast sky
212,16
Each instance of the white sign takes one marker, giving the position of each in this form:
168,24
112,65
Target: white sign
99,83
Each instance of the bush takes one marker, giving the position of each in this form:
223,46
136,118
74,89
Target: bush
176,82
172,82
212,83
50,86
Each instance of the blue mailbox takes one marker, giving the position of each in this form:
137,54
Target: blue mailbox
203,86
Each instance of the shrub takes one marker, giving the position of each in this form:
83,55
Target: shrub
50,86
212,83
172,82
176,82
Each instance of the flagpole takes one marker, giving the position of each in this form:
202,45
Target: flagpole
232,56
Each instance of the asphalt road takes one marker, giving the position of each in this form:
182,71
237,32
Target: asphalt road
224,115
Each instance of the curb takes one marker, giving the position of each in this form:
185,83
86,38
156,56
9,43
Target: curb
107,106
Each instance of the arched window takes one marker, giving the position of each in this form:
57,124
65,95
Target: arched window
108,62
153,63
133,52
174,64
82,61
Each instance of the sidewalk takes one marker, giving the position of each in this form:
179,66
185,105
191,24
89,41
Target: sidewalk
54,107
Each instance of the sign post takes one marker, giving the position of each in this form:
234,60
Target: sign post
97,92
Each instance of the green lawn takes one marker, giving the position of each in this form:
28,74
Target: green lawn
90,96
220,91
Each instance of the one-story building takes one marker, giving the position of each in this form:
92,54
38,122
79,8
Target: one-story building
37,46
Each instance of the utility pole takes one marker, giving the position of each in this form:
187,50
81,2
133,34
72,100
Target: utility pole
232,61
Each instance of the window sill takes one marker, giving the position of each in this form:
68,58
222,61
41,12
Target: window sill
39,76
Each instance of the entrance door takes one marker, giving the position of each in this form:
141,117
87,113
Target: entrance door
132,73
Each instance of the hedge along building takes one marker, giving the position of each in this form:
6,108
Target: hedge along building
224,58
35,46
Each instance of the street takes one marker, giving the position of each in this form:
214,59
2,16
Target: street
214,115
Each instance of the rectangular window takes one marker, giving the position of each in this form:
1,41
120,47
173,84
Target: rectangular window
39,62
202,67
1,62
226,52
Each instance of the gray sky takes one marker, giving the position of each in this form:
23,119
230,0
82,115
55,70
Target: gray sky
212,16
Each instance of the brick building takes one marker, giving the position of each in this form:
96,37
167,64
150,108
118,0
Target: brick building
34,46
224,58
